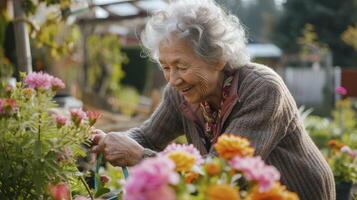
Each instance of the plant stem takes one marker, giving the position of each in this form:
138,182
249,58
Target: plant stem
87,187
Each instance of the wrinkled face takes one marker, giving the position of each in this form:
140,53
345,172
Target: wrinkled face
196,79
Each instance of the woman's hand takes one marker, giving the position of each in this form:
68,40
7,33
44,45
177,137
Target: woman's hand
118,149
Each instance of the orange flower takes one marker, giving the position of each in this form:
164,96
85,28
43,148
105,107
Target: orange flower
213,168
277,192
223,192
191,177
335,144
229,145
183,160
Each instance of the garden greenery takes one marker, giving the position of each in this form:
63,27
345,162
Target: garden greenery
38,146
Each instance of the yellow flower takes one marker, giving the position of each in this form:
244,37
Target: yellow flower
183,160
191,177
277,192
213,168
223,192
229,145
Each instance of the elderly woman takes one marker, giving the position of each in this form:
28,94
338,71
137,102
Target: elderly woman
214,89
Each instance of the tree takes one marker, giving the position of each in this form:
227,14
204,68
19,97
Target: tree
330,19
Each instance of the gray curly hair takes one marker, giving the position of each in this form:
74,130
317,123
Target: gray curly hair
213,33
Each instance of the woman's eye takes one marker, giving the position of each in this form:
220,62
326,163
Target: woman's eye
182,67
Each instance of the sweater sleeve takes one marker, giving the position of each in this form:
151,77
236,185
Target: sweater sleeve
262,116
163,126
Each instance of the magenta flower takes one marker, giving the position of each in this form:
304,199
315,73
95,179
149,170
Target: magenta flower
57,84
341,90
254,169
150,179
93,116
78,115
61,120
185,148
38,80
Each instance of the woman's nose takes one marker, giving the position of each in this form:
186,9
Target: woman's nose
174,79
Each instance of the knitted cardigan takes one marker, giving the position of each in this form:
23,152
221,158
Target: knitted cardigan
262,110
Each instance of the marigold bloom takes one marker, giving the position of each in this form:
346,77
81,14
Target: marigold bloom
254,169
229,146
213,168
223,192
335,144
93,116
277,192
191,177
183,160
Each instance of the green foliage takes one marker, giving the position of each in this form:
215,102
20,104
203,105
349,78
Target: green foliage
105,61
344,166
55,37
343,125
34,150
330,19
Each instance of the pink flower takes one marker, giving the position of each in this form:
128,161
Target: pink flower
60,191
104,179
57,84
8,107
93,116
149,180
61,120
254,169
341,90
349,151
38,80
185,148
78,115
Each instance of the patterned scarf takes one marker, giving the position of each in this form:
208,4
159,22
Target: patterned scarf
213,118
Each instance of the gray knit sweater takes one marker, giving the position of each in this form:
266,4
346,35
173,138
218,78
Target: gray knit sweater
263,111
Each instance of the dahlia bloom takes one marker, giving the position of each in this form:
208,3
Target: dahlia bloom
229,145
254,169
150,180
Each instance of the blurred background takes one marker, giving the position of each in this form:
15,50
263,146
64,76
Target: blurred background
93,45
